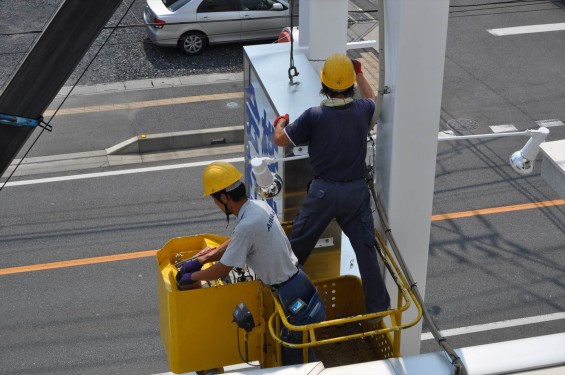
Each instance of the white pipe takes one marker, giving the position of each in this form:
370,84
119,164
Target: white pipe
481,136
539,134
289,158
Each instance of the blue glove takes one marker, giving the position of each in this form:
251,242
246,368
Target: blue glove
191,266
184,280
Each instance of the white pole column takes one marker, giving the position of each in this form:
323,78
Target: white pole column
323,29
415,38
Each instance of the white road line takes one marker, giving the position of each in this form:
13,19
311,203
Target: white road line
527,29
117,173
549,123
503,128
497,325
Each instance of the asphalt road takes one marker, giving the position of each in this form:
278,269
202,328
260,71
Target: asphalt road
103,318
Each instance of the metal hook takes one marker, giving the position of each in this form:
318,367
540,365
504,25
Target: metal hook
292,72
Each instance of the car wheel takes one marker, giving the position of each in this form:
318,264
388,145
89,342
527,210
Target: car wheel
192,43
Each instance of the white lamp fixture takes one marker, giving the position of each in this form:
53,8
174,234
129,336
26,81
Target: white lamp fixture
521,161
267,184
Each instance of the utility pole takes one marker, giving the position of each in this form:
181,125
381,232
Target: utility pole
46,68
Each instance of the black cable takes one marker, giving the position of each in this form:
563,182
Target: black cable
292,71
499,2
48,124
500,7
505,13
456,361
246,360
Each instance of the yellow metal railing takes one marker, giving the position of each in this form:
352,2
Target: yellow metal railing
311,339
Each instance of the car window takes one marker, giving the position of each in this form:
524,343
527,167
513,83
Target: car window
173,5
208,6
256,4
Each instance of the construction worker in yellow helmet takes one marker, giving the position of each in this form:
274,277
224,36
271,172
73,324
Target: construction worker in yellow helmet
336,134
259,242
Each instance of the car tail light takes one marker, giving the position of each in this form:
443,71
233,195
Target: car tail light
158,23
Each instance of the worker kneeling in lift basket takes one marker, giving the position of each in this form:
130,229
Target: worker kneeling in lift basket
259,241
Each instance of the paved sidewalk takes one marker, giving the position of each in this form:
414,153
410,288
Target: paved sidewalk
154,83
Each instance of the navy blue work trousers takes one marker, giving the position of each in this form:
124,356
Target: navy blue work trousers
301,288
349,203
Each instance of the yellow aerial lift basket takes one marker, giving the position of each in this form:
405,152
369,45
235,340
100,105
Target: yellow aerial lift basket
198,330
196,325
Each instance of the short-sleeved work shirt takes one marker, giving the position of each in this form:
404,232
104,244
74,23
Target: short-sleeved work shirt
259,241
336,138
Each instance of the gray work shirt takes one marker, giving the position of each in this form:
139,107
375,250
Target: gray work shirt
259,241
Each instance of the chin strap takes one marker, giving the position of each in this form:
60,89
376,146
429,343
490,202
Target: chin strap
228,213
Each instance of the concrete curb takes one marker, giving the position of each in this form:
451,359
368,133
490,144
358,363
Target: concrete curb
140,149
147,143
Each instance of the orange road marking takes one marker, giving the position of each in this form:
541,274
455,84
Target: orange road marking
497,210
148,253
77,262
145,104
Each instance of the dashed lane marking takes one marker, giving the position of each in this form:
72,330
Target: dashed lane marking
144,104
503,128
527,29
549,123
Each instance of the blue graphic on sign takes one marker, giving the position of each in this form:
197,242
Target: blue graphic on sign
259,134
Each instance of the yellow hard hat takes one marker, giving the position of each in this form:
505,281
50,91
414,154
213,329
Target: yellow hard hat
219,175
338,72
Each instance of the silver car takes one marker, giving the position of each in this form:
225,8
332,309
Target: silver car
191,25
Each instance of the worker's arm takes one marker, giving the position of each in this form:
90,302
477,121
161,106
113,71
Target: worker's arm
208,255
215,254
365,89
280,138
213,272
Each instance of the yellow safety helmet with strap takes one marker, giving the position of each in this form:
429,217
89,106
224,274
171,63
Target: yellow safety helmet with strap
338,73
219,175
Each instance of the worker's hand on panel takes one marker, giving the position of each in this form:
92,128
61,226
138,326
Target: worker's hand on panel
282,117
357,66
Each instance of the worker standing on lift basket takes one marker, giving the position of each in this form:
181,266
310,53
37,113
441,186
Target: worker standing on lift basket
259,241
336,134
